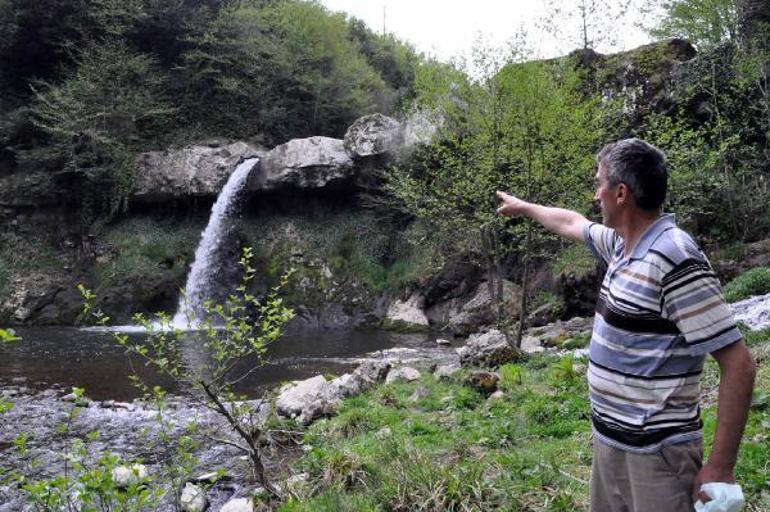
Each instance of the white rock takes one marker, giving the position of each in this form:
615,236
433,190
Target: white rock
193,498
531,345
754,312
408,311
406,373
293,399
126,476
443,342
238,505
374,134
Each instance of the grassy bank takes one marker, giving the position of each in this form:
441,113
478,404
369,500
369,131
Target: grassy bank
441,445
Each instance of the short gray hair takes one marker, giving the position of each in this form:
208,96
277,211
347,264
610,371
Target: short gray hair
641,166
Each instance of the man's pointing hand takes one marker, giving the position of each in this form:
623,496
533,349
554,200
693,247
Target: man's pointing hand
511,206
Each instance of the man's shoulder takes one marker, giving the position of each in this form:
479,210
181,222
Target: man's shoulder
675,246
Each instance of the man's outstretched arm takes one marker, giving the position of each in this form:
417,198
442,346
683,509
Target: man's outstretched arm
563,222
736,382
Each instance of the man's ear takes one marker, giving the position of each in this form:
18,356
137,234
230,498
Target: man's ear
622,194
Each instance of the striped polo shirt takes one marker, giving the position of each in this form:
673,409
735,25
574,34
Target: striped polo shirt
660,311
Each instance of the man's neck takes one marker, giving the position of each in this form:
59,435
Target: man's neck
633,227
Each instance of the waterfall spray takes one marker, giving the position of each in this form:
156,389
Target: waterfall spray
203,269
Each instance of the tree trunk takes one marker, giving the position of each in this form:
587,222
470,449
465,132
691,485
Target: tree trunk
523,309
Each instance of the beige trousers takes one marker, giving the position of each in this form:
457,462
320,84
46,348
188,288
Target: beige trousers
656,482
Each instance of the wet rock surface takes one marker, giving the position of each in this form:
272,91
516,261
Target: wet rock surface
131,431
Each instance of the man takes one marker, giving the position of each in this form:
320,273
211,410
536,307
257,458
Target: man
660,311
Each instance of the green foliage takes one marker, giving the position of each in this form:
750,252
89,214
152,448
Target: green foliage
8,336
717,161
702,22
141,248
752,282
285,69
231,334
511,376
576,260
389,452
114,95
579,341
521,127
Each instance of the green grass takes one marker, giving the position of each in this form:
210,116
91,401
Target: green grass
142,248
453,449
753,282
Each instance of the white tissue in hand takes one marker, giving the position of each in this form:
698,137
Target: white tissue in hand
724,498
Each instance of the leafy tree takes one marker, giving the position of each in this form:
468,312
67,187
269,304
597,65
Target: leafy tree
395,61
702,22
524,129
234,337
718,145
285,70
112,103
114,95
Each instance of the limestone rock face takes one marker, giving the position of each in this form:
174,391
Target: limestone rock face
191,171
464,315
311,163
373,135
407,313
754,311
489,349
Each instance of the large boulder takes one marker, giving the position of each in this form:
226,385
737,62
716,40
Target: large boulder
296,396
373,135
191,171
466,314
490,350
316,397
406,315
456,279
311,163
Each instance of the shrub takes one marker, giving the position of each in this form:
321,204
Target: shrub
576,259
753,282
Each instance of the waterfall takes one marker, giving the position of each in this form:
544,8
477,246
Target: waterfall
200,279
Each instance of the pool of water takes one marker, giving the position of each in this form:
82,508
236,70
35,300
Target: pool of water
64,357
